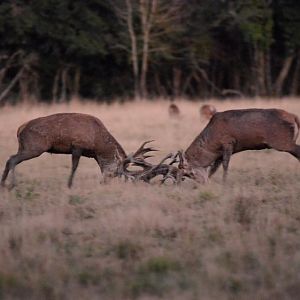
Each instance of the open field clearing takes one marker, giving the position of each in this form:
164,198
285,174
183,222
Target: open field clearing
139,241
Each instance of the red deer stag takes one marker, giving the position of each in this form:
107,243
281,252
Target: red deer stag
207,111
174,111
234,131
82,135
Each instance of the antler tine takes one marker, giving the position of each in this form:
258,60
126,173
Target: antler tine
170,155
174,160
142,150
141,162
149,168
155,167
181,161
143,145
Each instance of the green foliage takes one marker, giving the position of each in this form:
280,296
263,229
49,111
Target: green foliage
75,200
159,265
127,250
26,193
206,196
211,43
156,276
255,21
288,22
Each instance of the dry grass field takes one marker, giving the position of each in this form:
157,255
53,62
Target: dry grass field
138,241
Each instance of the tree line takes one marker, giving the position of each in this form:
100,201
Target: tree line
53,50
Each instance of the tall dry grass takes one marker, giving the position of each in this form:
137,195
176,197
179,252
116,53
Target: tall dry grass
139,241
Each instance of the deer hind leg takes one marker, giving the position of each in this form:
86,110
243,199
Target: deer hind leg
296,152
76,154
227,152
15,160
215,166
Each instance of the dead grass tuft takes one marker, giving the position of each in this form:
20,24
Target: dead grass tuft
139,241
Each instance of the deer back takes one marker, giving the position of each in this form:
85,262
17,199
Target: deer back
60,133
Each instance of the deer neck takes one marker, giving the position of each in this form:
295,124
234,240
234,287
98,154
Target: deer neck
198,155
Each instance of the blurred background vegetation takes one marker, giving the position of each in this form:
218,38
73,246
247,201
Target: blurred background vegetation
53,50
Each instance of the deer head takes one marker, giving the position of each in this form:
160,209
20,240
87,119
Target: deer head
192,171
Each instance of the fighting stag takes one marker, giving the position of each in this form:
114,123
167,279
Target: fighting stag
235,131
82,135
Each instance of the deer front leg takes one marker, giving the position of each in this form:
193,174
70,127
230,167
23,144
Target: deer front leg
215,166
227,152
76,153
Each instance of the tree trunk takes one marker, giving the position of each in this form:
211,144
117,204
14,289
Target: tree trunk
35,92
236,79
8,64
260,72
24,87
295,81
147,14
282,75
134,52
176,82
161,90
268,76
204,75
187,83
76,85
11,85
64,78
55,86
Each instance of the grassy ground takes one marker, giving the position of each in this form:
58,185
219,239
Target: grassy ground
139,241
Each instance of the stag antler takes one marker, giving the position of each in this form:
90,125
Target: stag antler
138,158
149,170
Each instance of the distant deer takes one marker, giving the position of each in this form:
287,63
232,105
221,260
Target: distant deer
207,111
81,135
174,111
234,131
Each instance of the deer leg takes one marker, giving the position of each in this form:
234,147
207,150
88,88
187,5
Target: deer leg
106,174
76,153
227,152
15,160
215,166
296,152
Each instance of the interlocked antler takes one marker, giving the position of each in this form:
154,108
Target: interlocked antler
149,171
137,159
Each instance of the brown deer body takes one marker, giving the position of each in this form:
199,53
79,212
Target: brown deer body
207,111
174,111
234,131
67,133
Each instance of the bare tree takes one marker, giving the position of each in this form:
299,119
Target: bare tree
26,76
66,82
278,85
147,23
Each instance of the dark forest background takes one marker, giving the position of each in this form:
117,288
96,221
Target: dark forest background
53,50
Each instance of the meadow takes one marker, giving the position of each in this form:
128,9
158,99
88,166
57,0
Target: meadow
149,241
